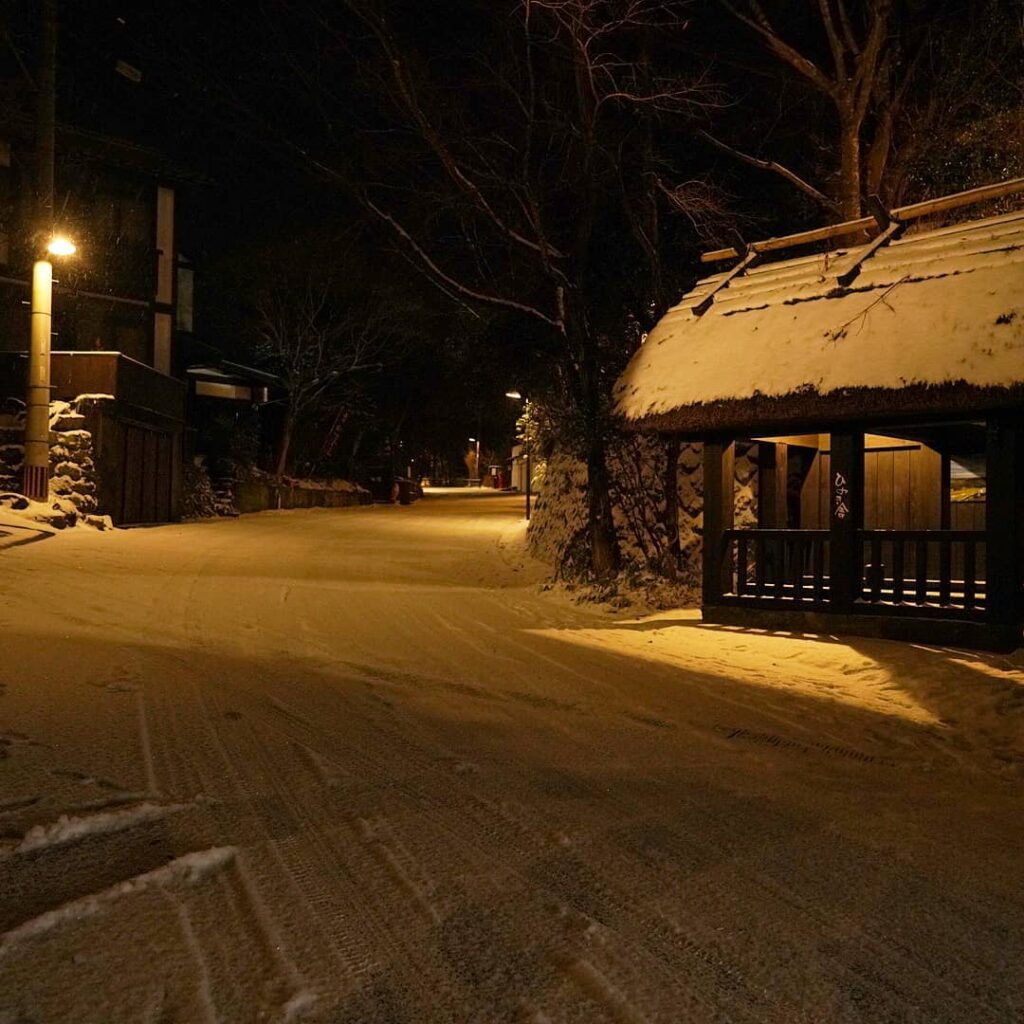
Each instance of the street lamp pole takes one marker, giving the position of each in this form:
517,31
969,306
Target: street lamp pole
518,396
37,411
529,476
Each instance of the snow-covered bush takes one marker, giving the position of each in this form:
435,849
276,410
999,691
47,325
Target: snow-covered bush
637,468
559,517
197,499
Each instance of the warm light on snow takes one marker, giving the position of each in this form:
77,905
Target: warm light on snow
819,667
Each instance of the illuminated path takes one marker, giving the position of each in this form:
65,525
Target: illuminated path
356,766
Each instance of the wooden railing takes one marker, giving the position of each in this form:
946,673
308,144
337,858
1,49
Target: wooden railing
777,567
912,572
923,568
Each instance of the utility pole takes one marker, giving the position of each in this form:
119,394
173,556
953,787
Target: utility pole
37,416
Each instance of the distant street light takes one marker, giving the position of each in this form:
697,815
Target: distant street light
476,465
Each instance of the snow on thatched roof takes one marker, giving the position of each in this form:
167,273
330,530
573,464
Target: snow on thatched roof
933,322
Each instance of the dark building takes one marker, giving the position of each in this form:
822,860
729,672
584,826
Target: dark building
122,305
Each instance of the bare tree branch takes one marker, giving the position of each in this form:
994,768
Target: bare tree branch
776,168
782,49
451,282
834,43
429,133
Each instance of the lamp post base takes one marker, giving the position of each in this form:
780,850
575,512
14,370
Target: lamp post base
37,482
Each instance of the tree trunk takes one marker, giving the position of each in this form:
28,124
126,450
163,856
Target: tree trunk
849,165
878,155
284,444
604,546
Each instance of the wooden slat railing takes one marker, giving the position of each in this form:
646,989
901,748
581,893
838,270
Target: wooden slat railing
777,567
923,568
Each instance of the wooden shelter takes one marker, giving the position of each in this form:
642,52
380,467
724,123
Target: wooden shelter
883,385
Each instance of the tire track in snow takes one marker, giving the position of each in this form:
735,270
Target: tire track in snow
234,817
204,994
600,990
400,747
799,927
144,742
825,924
187,870
396,903
208,766
296,839
506,833
400,865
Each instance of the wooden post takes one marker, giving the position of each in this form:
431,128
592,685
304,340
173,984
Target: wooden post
772,506
945,510
719,488
1004,534
772,476
846,518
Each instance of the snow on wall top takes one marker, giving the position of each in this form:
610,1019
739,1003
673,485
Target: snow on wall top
938,307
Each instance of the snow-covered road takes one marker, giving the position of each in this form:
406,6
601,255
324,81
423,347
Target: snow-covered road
355,766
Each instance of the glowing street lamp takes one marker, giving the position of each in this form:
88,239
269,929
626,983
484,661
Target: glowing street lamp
37,411
60,245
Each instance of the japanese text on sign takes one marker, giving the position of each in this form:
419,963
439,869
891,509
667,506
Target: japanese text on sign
840,496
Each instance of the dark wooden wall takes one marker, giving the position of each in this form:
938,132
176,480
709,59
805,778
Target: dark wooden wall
902,489
138,468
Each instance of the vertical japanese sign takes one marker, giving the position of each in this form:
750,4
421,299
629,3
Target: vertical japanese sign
840,497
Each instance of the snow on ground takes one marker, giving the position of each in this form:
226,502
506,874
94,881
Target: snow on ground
355,766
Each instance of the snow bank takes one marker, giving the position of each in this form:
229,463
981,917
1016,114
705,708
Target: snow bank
70,830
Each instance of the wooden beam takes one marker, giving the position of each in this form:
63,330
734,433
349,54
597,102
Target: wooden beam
705,304
903,213
1004,533
800,238
846,518
892,230
772,473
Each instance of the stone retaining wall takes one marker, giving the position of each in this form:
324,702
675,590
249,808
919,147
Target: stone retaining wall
258,495
72,458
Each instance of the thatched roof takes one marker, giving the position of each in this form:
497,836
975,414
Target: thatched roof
932,324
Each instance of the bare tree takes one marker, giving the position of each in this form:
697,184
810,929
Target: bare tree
850,82
576,84
515,155
897,78
316,348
